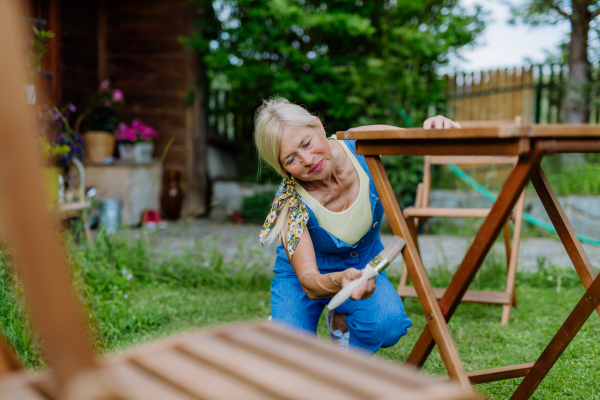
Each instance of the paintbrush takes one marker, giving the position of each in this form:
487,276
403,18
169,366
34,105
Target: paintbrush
373,268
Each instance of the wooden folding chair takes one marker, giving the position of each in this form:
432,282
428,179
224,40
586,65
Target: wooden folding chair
422,211
257,361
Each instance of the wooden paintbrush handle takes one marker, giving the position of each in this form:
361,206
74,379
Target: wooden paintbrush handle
382,260
393,248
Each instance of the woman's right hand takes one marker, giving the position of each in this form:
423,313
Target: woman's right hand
365,289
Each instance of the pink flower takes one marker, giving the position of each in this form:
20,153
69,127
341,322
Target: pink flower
137,125
148,133
104,85
125,133
117,95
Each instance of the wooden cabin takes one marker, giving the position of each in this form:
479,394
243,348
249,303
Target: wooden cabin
136,45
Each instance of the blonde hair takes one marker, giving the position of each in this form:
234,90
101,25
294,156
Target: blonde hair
270,119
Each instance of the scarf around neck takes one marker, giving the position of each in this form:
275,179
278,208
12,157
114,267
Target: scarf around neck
297,215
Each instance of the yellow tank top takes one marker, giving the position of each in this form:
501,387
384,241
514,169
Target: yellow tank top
354,222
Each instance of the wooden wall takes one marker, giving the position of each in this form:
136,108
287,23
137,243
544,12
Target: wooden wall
78,35
141,54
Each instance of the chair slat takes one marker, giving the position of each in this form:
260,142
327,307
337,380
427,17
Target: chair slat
276,379
194,376
21,393
445,212
321,366
471,296
132,383
473,160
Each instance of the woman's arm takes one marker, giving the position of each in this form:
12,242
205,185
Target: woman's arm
321,286
438,122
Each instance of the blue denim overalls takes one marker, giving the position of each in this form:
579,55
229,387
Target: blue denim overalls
376,322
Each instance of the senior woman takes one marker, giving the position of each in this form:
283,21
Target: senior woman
327,217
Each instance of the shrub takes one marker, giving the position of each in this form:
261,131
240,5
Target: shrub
255,208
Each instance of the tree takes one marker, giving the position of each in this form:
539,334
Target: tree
580,14
351,61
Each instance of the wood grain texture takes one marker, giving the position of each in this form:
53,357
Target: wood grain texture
446,212
470,296
494,374
481,245
444,147
197,378
473,160
43,272
417,273
512,255
564,130
563,227
482,132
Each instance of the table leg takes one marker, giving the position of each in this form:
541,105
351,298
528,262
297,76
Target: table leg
563,227
560,341
413,263
479,249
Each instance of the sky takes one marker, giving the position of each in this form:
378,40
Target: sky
502,45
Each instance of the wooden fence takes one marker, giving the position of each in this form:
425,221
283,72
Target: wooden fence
535,93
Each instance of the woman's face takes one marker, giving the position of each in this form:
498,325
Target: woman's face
304,153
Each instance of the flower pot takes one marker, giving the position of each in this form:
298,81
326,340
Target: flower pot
51,179
143,152
99,145
127,151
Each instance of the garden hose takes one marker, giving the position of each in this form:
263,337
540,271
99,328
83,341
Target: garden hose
526,216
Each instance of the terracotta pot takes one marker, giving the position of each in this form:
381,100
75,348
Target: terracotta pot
98,145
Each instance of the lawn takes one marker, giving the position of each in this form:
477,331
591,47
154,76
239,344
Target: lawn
133,295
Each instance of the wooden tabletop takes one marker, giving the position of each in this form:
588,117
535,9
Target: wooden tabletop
483,132
248,362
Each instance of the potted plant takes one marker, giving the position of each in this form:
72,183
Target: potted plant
60,144
136,141
99,120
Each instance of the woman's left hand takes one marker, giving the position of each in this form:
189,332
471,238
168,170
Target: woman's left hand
440,122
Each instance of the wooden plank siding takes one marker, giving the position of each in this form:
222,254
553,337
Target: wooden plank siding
78,50
141,54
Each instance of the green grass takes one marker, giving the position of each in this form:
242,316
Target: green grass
168,295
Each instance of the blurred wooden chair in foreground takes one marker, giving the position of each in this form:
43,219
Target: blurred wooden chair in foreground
422,211
240,362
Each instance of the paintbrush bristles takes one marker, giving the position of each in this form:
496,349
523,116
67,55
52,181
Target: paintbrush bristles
393,248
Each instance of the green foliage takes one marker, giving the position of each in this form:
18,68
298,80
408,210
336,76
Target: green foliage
37,49
255,208
405,173
14,319
125,288
351,62
583,179
161,301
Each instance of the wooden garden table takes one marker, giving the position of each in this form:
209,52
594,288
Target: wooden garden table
530,144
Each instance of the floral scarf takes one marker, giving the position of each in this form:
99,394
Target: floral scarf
297,216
